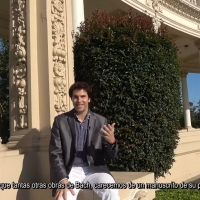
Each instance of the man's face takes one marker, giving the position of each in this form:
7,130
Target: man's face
80,100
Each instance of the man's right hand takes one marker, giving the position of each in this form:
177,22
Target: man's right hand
61,194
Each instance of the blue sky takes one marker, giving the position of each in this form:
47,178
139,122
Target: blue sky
193,83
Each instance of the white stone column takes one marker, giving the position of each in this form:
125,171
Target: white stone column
78,15
186,107
56,62
23,67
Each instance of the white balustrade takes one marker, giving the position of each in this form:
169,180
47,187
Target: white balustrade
194,2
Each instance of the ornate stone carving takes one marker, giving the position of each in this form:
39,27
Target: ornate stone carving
59,55
139,195
156,6
184,8
194,2
148,2
156,23
20,66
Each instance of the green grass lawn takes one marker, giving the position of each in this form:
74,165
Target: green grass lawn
177,194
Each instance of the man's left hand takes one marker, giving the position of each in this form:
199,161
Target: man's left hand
108,133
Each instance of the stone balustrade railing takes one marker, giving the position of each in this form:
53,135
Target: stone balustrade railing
186,8
194,2
180,4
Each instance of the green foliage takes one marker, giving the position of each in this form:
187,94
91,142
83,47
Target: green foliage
178,194
135,77
182,121
195,114
4,89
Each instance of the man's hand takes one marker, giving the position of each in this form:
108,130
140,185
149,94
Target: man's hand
61,194
108,133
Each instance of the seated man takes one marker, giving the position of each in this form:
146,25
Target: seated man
80,141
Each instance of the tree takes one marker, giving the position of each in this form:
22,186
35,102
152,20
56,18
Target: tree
195,114
4,89
198,107
135,77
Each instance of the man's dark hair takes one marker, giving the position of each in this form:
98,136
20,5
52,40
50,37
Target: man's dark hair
79,86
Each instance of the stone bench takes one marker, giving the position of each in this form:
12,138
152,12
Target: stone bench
126,194
120,177
34,167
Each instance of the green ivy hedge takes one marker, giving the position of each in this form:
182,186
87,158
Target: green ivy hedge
135,77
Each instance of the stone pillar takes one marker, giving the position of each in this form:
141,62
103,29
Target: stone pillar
24,97
77,13
186,107
41,69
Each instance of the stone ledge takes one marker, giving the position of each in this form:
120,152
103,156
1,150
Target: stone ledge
126,194
191,129
9,153
120,177
34,167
